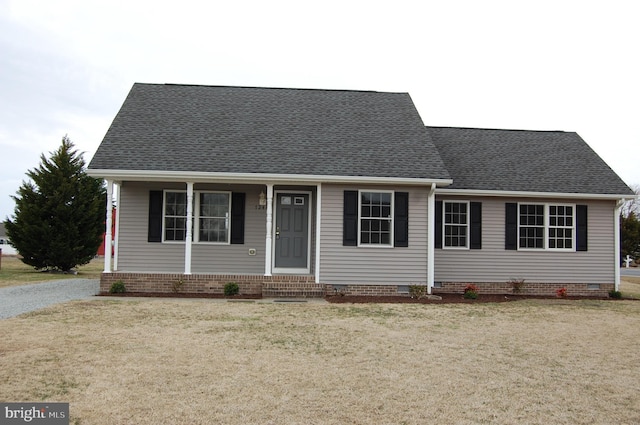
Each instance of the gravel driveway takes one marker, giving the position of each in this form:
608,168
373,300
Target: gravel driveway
16,300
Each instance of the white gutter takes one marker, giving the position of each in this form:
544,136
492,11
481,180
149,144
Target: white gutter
207,177
523,194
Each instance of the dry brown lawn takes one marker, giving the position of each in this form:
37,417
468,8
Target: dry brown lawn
209,362
14,272
630,286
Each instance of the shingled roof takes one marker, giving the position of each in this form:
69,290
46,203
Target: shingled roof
182,128
526,161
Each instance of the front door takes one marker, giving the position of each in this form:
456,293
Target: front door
292,231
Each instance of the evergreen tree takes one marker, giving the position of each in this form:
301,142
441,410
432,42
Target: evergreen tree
59,214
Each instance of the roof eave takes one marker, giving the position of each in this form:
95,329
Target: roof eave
208,177
525,194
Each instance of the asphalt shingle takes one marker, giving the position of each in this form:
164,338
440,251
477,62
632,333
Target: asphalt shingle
527,161
272,131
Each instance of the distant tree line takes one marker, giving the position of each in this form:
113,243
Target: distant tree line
630,227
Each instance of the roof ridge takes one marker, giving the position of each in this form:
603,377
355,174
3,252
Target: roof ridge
269,88
502,129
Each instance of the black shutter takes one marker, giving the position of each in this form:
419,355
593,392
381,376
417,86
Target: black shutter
476,225
581,226
154,233
350,218
511,226
401,219
237,217
438,224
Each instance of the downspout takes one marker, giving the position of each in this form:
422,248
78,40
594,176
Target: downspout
431,237
616,243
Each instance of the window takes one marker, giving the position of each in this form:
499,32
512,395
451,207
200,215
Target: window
376,218
175,216
211,215
531,226
560,227
456,224
546,226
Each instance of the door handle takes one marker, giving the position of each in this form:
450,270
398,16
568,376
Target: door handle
278,232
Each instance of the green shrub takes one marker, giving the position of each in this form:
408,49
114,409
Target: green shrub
471,291
177,285
471,295
417,291
230,289
117,287
615,294
516,284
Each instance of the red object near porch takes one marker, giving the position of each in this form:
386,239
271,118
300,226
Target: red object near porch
113,234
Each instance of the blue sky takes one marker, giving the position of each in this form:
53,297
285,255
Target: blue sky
66,66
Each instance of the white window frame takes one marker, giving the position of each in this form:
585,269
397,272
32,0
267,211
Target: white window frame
196,217
572,227
547,226
444,224
164,217
360,218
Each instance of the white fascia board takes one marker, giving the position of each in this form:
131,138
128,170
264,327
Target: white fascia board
205,177
517,194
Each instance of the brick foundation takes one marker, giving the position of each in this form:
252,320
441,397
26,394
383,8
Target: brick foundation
529,288
365,290
167,283
305,286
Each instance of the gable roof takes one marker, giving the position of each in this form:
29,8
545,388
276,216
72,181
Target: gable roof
213,129
524,161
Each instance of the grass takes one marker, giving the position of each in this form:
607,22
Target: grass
630,286
203,361
15,272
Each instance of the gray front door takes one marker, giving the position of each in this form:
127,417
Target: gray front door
292,230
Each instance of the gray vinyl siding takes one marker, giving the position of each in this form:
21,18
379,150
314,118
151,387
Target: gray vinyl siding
493,263
137,255
372,265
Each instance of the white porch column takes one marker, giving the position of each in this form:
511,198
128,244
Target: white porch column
108,236
616,244
117,228
431,237
269,239
318,232
188,237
